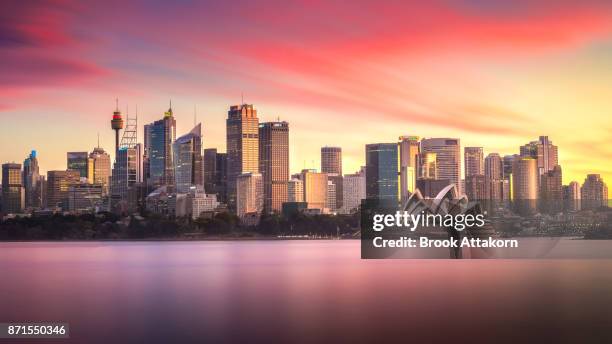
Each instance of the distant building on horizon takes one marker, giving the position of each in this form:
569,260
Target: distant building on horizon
382,171
101,161
571,195
594,192
242,142
127,174
158,157
295,191
448,158
32,182
331,160
58,186
188,162
13,193
249,196
274,163
494,173
79,161
215,173
409,150
315,189
545,153
474,161
525,184
354,190
476,187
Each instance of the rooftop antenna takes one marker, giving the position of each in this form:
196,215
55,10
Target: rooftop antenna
98,139
117,103
242,97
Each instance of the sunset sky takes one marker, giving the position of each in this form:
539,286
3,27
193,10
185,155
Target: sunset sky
342,73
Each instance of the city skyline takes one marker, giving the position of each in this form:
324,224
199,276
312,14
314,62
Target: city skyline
495,75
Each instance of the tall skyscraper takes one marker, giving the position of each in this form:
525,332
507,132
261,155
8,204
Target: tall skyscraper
331,160
544,152
249,195
13,195
101,169
242,138
159,137
551,191
409,153
31,181
594,192
448,158
382,171
315,189
494,171
274,163
79,161
571,195
525,183
473,157
58,186
331,164
188,169
354,191
127,173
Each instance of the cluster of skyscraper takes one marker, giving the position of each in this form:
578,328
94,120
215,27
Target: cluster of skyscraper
431,164
178,177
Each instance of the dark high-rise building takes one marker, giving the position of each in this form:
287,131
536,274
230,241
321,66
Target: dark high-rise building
409,148
215,173
127,174
594,192
31,181
188,169
331,160
58,186
79,161
159,137
242,139
448,158
274,163
382,171
473,157
13,196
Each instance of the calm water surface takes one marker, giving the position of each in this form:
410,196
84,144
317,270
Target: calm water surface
169,292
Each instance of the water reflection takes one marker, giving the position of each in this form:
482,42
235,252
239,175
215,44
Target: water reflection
296,291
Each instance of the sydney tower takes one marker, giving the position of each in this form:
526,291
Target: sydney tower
117,124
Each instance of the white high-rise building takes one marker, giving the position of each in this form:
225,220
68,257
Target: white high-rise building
354,191
249,194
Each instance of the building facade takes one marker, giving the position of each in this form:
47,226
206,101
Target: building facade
188,162
315,189
159,137
594,192
32,182
382,171
448,158
274,163
101,169
58,186
409,150
473,161
249,195
13,193
354,190
242,138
